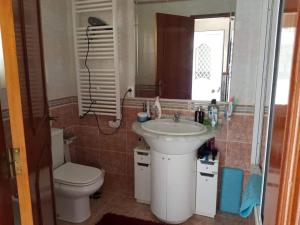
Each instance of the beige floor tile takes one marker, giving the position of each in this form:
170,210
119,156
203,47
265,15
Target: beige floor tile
118,203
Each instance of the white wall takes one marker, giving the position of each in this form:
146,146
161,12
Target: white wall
246,51
126,44
58,48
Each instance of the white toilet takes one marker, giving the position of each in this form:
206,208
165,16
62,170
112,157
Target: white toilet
73,183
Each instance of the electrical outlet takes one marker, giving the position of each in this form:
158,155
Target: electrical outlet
130,93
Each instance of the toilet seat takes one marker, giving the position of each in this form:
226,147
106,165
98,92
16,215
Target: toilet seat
77,175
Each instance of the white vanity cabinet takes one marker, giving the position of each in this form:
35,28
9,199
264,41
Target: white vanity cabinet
173,186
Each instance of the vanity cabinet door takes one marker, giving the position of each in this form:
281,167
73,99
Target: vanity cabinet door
181,187
159,184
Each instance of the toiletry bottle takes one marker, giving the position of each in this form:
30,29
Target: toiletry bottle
213,113
157,108
144,107
230,107
199,115
202,115
148,110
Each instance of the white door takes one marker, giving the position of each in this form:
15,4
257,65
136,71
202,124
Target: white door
208,64
181,187
159,184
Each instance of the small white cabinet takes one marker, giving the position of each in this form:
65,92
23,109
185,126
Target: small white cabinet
207,187
173,186
142,175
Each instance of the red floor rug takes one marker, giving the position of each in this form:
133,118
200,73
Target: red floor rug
113,219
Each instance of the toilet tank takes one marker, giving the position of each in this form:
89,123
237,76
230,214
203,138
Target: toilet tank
57,147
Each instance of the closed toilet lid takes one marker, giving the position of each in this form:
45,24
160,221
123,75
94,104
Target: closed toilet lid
76,174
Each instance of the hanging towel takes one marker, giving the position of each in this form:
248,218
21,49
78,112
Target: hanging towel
231,190
251,195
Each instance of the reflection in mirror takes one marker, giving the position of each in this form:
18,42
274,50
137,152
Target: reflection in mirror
212,57
184,49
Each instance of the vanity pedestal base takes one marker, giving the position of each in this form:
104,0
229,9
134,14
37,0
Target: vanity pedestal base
173,186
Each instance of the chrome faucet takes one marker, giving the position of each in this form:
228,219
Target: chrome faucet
176,117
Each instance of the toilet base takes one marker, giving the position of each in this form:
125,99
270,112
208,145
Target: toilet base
73,210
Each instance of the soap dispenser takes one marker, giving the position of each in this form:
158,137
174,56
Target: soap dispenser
199,115
157,108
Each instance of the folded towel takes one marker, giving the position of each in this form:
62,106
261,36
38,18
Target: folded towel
231,190
251,195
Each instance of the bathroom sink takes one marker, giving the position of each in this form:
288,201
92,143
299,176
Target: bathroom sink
173,147
169,127
174,138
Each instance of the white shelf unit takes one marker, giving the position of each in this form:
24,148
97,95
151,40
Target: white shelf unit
207,187
142,175
102,58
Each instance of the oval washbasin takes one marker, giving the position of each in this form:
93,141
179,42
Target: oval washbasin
170,127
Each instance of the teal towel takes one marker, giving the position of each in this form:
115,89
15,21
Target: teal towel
251,195
231,190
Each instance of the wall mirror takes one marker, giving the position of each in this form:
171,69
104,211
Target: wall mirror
184,48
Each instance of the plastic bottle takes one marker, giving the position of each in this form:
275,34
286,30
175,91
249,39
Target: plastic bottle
157,108
213,113
148,110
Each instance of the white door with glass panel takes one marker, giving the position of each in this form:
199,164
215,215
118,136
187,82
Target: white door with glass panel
207,65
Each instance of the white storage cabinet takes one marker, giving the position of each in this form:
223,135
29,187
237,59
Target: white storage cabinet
142,175
207,187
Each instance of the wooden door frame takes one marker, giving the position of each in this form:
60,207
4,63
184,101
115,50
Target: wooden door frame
15,107
288,210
